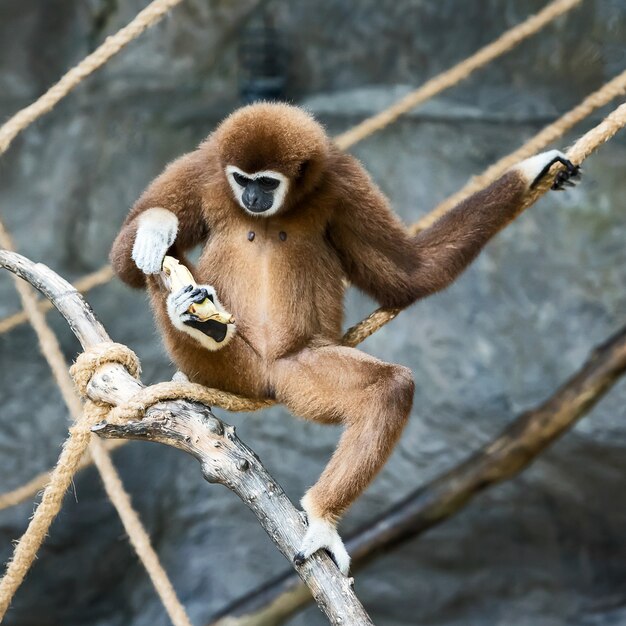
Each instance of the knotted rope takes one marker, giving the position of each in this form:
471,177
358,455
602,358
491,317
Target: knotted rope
89,361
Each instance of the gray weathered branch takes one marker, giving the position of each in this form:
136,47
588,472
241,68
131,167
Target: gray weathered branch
501,459
192,427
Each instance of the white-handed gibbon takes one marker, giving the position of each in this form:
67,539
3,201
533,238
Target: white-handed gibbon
284,217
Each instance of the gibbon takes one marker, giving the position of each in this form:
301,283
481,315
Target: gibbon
284,217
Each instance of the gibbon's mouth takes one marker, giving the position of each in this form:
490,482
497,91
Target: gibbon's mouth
258,210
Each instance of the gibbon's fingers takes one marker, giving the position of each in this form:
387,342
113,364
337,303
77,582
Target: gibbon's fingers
156,233
180,302
322,535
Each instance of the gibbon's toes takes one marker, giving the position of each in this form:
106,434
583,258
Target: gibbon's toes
322,535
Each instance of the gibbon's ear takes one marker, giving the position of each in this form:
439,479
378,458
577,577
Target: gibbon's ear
309,175
302,170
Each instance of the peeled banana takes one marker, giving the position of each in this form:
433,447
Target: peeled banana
176,276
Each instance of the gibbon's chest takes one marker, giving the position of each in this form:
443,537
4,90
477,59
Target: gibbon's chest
279,282
256,251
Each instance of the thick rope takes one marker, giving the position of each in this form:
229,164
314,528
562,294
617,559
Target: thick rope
94,357
152,14
80,439
455,74
367,127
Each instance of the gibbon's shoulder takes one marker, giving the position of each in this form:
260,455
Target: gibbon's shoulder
351,184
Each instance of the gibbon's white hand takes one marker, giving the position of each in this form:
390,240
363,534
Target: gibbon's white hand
156,233
211,334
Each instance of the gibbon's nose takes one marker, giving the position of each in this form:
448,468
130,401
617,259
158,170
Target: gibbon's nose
251,198
254,200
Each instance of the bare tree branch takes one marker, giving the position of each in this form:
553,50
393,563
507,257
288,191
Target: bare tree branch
501,459
192,427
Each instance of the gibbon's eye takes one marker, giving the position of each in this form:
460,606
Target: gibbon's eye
242,181
267,183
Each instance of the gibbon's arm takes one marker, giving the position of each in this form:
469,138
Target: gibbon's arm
396,269
167,217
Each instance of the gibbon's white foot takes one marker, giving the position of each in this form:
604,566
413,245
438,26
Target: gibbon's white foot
180,377
156,232
322,535
211,334
536,167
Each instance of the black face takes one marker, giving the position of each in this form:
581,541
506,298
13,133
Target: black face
258,193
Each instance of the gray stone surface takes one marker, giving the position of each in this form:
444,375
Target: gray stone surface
547,549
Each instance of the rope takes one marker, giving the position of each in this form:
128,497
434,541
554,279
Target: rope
152,14
80,439
455,74
94,357
367,127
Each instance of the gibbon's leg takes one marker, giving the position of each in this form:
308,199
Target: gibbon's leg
372,399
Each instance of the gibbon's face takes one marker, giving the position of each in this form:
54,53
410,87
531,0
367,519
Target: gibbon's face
258,193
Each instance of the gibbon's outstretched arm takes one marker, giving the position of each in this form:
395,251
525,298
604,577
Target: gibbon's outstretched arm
167,217
396,269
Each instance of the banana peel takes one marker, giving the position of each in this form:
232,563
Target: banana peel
176,276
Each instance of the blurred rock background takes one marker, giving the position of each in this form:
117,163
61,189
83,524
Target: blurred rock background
548,549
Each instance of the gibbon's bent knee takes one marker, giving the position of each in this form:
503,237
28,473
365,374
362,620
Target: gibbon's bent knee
400,390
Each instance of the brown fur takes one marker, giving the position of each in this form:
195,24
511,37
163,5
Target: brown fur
287,296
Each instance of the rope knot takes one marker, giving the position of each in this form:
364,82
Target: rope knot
98,355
